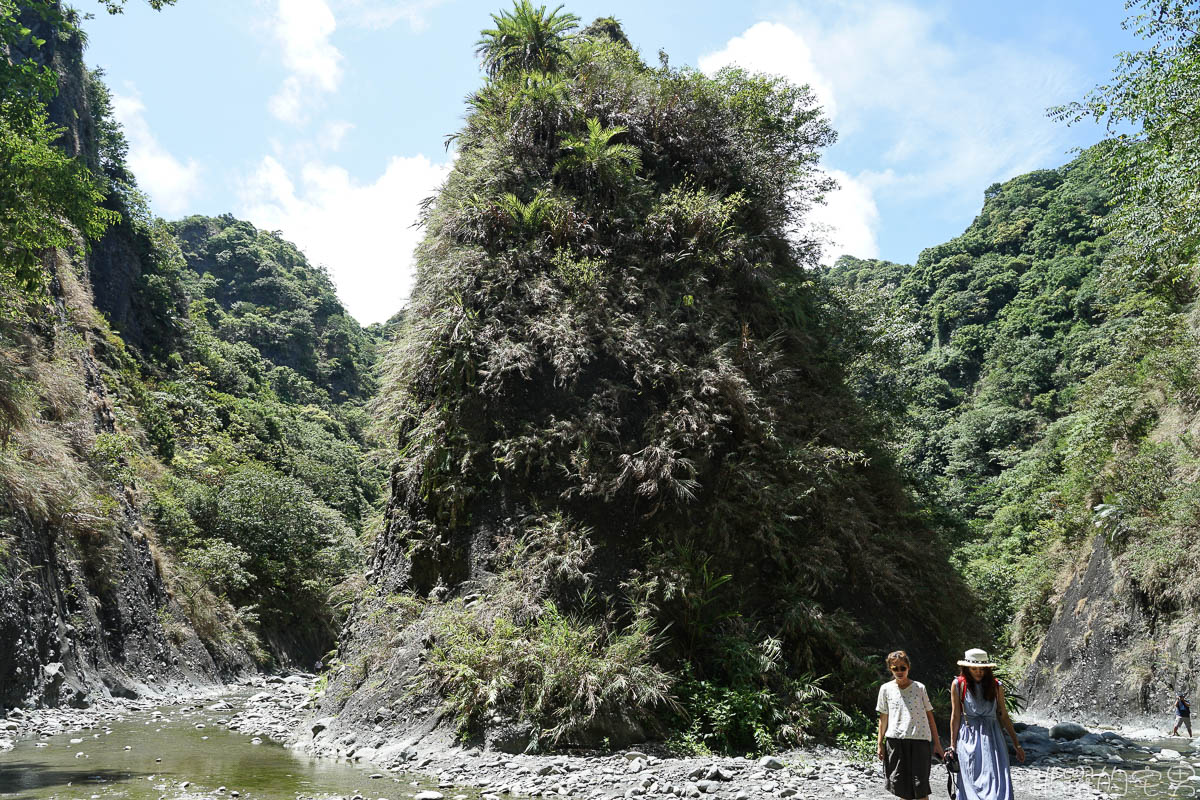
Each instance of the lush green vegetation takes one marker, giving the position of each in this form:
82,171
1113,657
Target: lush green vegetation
982,349
235,423
1138,413
46,198
50,205
615,378
1038,373
258,413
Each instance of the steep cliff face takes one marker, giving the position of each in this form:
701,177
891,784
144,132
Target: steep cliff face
85,608
1123,637
1106,657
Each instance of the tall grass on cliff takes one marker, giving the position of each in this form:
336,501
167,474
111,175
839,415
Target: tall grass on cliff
614,327
47,199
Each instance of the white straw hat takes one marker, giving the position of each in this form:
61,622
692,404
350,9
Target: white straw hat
975,658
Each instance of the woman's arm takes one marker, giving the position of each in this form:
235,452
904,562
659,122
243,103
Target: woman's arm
955,713
1006,721
937,740
933,731
883,719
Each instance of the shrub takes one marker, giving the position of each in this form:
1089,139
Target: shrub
556,672
296,546
756,713
218,566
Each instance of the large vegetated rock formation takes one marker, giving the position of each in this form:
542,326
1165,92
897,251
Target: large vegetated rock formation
620,428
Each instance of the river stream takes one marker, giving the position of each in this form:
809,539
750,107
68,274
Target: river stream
181,752
189,752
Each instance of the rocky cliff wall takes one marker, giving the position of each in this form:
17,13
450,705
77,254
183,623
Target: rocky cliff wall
85,604
1107,658
85,607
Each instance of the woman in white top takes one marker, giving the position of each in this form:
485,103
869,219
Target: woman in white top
907,730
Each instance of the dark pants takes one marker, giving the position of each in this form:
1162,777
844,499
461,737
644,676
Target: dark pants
907,763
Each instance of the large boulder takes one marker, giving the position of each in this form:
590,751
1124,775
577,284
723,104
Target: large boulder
1068,730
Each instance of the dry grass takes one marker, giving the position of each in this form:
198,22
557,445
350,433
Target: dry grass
46,430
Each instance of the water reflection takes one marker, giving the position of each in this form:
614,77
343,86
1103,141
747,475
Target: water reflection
182,751
17,776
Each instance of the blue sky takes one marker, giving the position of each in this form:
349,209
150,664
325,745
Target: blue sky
325,119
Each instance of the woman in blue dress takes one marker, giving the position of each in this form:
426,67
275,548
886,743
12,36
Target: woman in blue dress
977,711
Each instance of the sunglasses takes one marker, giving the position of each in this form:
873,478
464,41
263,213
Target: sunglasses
898,669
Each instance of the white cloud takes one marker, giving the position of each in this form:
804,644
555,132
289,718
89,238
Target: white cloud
333,134
938,113
169,182
363,233
314,65
955,113
776,49
379,14
848,220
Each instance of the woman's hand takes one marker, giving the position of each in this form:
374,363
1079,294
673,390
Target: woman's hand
880,752
1020,754
938,751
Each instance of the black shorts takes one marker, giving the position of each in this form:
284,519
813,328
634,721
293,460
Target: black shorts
907,762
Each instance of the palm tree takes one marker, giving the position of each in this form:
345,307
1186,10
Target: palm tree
594,154
525,39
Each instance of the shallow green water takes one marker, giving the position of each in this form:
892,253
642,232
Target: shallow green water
208,758
1139,778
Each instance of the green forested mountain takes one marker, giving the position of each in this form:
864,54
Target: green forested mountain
990,337
270,298
631,485
1038,374
258,413
185,453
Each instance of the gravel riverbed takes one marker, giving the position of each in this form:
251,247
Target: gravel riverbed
274,707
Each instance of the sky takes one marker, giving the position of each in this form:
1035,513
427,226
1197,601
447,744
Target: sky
326,120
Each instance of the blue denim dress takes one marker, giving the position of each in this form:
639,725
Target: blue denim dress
982,752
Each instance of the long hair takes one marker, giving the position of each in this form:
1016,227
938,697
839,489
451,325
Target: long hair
988,684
